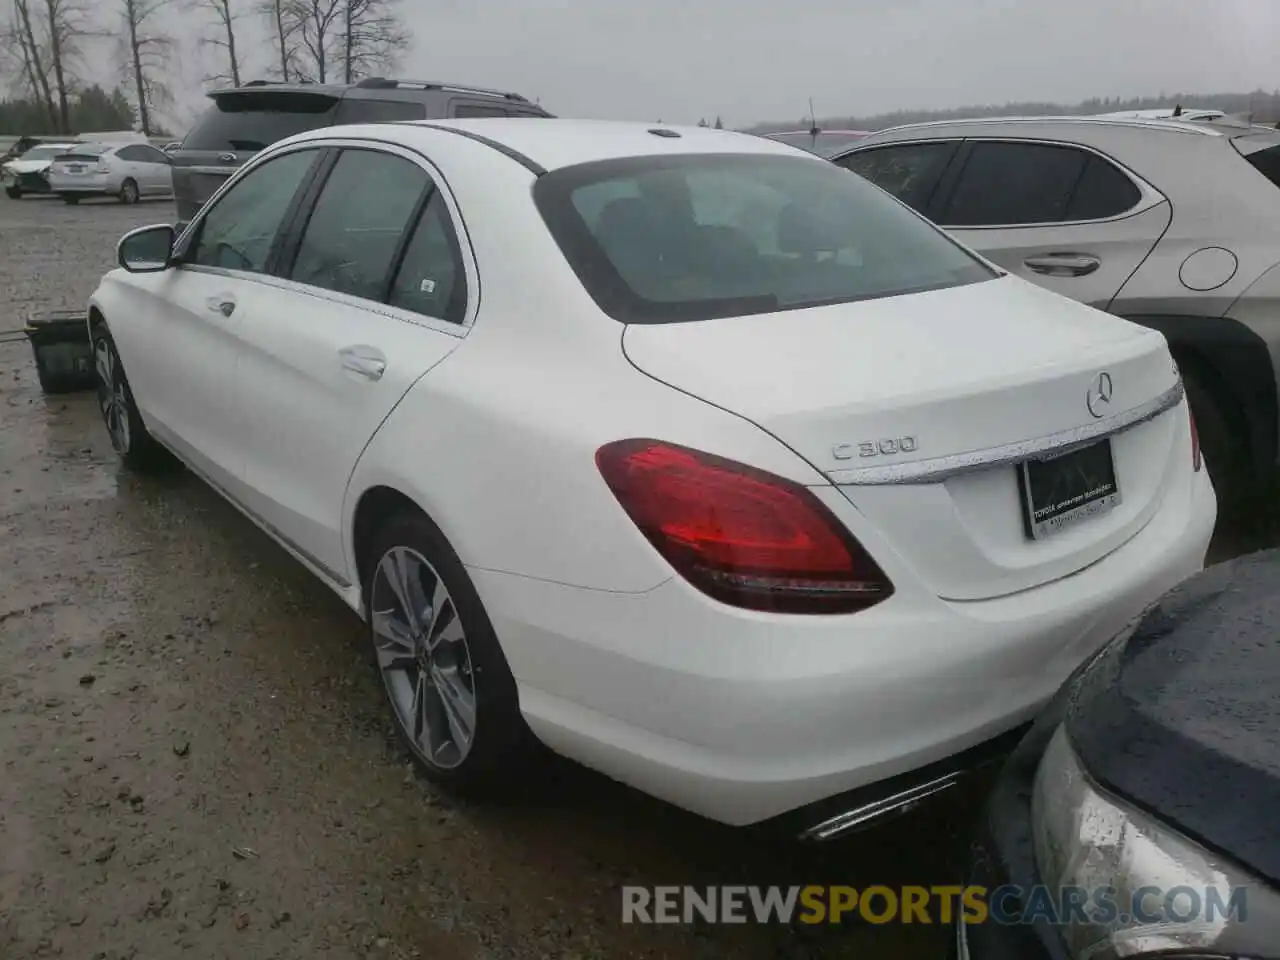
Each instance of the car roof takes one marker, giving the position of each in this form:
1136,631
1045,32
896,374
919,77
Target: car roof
551,143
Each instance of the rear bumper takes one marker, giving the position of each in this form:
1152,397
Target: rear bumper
87,186
743,717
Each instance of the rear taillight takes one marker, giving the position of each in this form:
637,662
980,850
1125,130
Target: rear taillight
1196,460
741,535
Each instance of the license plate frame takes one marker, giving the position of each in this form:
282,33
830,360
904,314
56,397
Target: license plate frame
1065,489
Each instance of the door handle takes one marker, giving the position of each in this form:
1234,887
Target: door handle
1063,264
367,362
223,305
227,157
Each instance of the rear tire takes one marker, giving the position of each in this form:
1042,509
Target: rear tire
442,664
129,192
70,201
13,193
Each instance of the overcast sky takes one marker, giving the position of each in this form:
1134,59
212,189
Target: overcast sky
754,60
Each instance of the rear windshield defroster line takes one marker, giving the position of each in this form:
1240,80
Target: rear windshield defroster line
685,237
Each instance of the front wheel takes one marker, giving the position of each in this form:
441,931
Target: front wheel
128,192
129,435
450,688
70,200
13,193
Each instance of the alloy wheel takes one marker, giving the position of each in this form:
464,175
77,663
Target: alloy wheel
113,398
129,192
423,656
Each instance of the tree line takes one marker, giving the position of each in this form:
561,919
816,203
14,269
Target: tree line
311,41
1264,107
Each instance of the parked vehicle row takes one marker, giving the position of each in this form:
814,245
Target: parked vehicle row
95,166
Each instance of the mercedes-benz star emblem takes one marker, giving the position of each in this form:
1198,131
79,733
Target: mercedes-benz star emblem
1098,399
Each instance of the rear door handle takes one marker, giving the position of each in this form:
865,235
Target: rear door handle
227,157
1063,264
365,361
223,305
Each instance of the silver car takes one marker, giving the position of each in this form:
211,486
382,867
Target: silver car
127,171
1170,224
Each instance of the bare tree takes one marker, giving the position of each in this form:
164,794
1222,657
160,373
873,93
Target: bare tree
319,23
284,18
66,22
225,14
37,78
373,35
148,48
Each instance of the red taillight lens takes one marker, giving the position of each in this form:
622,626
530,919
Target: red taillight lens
1195,441
741,535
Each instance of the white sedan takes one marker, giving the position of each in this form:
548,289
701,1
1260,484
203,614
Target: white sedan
691,456
127,171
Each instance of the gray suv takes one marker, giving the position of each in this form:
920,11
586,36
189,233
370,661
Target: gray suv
1171,224
244,120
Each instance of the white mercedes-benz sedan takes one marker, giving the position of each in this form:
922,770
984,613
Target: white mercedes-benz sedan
693,457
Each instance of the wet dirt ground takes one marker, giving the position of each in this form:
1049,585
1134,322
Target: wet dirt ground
195,758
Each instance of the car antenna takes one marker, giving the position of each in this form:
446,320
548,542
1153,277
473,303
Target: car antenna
1177,111
813,124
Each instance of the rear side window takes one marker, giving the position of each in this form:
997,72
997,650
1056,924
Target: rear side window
479,110
1017,184
665,239
379,111
353,234
246,122
909,171
430,279
1267,163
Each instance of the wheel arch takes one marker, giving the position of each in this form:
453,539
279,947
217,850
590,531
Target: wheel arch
1234,365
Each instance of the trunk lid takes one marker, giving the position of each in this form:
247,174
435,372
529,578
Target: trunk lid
951,389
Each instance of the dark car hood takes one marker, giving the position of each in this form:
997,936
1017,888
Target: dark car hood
1184,718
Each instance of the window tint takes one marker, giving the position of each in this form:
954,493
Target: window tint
1103,191
478,110
354,231
689,237
431,280
378,111
908,171
1026,183
254,121
239,230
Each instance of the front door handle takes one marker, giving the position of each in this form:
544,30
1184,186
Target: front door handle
364,361
1063,264
223,305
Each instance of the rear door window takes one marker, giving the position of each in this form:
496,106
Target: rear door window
1007,183
431,279
351,238
248,122
909,171
379,111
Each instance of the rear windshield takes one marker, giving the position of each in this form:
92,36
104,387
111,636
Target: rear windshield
692,237
85,151
253,121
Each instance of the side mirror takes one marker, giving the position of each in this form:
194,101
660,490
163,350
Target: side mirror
147,249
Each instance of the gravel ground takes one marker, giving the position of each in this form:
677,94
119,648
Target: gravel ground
196,756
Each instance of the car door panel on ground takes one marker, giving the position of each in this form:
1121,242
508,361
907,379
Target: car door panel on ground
1058,215
339,337
188,386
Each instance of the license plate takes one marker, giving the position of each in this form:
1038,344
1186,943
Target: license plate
1059,492
76,168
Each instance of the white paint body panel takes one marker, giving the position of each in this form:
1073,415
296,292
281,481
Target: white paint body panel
492,427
